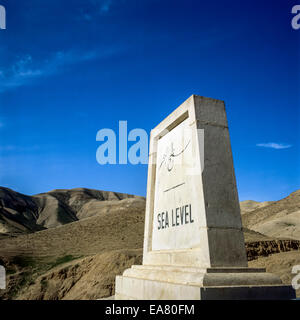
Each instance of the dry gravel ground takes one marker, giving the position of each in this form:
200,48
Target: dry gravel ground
280,264
86,279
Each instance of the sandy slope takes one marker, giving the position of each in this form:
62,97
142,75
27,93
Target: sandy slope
250,205
278,219
85,279
119,227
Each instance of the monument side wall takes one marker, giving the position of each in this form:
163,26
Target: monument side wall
219,183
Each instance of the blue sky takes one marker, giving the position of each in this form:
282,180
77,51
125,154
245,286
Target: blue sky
71,68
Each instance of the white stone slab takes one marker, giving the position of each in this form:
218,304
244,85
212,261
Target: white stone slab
177,205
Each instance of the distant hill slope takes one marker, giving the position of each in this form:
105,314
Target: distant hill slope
119,226
80,260
250,205
277,219
18,212
21,214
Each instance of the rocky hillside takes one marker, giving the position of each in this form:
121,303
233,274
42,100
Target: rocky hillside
68,277
79,260
276,219
21,214
119,226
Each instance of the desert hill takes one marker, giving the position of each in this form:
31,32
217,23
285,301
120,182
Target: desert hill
79,260
18,213
119,226
25,214
250,205
276,219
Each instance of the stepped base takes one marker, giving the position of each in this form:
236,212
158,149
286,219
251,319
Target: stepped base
176,283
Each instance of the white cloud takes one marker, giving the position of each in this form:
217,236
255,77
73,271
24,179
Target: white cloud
274,145
25,70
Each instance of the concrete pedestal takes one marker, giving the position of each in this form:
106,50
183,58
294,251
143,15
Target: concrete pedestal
169,283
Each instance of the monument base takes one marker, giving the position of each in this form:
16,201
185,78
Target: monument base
184,283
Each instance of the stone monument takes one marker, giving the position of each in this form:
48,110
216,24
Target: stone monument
193,242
